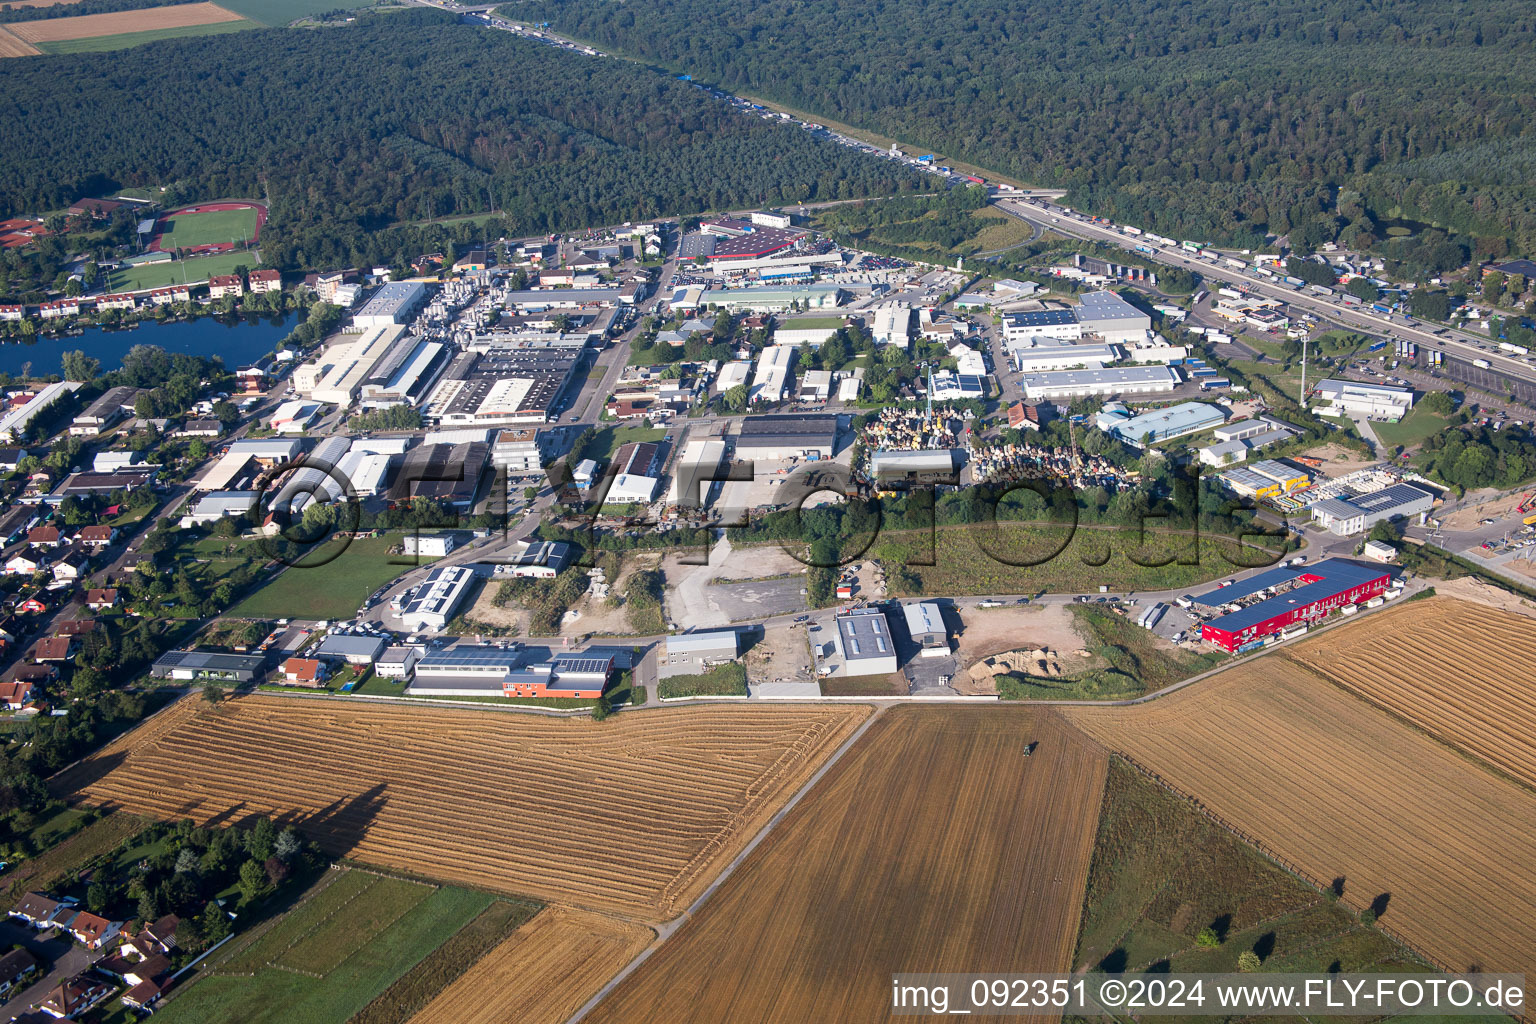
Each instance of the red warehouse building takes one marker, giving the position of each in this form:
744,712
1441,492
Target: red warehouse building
1282,597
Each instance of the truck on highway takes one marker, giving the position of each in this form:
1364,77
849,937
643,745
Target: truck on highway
1320,289
1381,307
1146,249
1294,282
1126,229
1505,346
1190,246
1482,364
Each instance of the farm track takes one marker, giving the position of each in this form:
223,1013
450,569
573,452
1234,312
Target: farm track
931,839
1335,788
1463,673
631,816
542,973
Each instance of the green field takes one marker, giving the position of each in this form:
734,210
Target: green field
607,440
191,229
326,589
280,12
1162,874
359,934
1419,424
123,40
169,272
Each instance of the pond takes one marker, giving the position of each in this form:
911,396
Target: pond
237,341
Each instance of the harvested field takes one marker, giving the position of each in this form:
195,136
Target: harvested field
1340,789
10,46
89,26
542,974
633,815
932,845
22,4
1461,672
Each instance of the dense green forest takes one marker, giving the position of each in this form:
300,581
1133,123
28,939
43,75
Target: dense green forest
400,118
1209,120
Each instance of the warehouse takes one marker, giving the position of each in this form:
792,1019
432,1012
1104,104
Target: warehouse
813,330
925,623
1266,479
14,424
539,300
771,380
1224,453
733,374
482,670
113,405
1358,399
1239,430
1061,324
1111,318
701,650
354,650
405,375
293,417
505,384
1111,380
693,476
393,303
1030,358
863,644
891,468
199,663
634,470
1346,516
541,559
1161,424
437,598
442,472
1263,605
319,478
518,450
774,438
772,300
352,365
216,505
893,326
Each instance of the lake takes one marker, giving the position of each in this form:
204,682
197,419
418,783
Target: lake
237,342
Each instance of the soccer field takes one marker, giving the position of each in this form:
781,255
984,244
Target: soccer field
161,275
214,227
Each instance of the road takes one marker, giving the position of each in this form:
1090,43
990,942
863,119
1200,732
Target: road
1460,343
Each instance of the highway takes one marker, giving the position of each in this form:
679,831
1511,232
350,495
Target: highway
1459,343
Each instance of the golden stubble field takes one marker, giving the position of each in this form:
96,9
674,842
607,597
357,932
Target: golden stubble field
10,46
1464,673
149,19
632,816
1339,788
934,844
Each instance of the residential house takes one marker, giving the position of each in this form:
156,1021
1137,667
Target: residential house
101,600
75,995
42,911
74,627
266,281
10,459
153,939
1024,417
52,648
304,671
44,536
173,294
98,536
15,694
59,308
24,562
32,605
71,565
225,285
200,428
92,930
17,968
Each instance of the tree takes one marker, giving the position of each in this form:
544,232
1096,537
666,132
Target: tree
1208,939
287,845
188,862
1248,961
144,406
81,367
734,398
1363,289
253,880
1368,917
213,694
1439,403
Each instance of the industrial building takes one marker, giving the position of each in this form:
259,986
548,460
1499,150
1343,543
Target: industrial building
775,299
892,325
771,381
1238,430
113,405
812,331
1111,380
1266,479
702,650
925,623
216,505
731,375
1060,324
1111,318
318,479
540,300
394,303
1223,453
1355,398
541,559
518,450
1344,516
353,649
892,468
1158,425
634,470
293,417
478,670
517,382
351,365
1031,358
863,643
16,420
693,475
1264,605
448,473
775,438
202,664
437,598
405,375
245,461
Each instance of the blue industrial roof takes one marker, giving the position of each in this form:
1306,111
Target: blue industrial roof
1336,576
1042,317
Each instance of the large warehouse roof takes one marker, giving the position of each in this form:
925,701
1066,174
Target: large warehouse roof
787,432
1300,586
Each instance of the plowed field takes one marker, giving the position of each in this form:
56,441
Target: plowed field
633,815
10,46
89,26
542,974
1340,789
934,844
1464,673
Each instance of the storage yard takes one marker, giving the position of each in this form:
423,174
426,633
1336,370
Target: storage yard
983,852
632,816
542,974
1339,789
1461,672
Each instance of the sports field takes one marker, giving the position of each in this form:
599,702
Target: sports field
160,275
210,227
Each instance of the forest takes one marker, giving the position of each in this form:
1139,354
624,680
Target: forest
401,119
1201,120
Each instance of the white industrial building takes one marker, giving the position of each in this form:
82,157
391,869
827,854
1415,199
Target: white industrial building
393,303
1223,453
776,438
634,470
429,545
437,598
925,623
699,651
319,479
1359,399
1350,515
14,424
805,332
771,379
406,380
293,417
517,450
863,644
700,460
893,325
216,505
733,374
352,364
1112,318
1110,380
1028,358
1060,324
